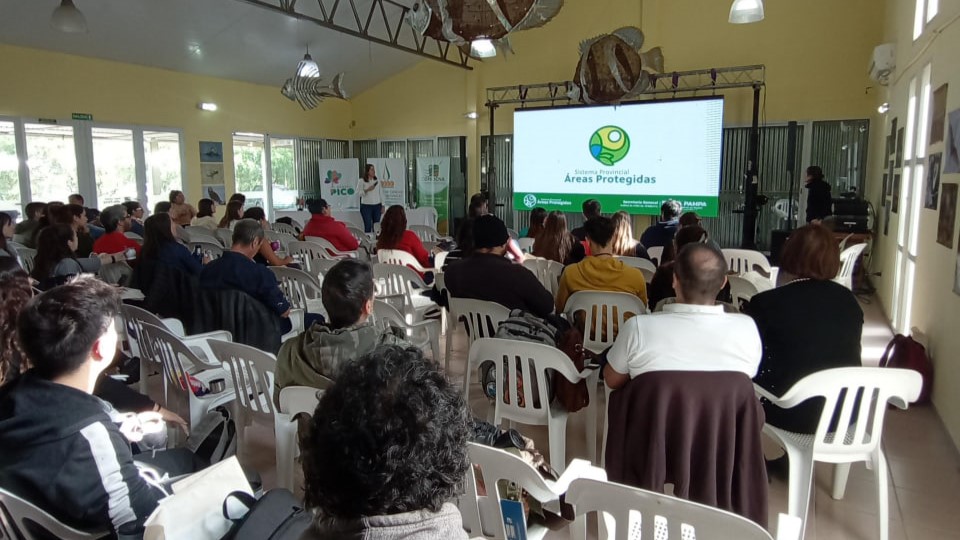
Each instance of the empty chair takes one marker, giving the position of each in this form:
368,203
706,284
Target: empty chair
645,266
855,402
482,514
301,289
656,253
480,319
198,234
362,237
21,519
294,400
331,251
225,236
423,334
425,233
402,258
216,250
742,261
402,287
848,262
283,228
547,271
530,402
526,244
602,313
741,290
662,516
306,252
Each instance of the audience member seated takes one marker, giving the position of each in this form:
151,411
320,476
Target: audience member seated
693,334
161,249
135,211
382,463
7,227
28,228
115,222
600,271
556,243
237,270
623,244
162,207
205,211
92,213
661,286
60,447
660,234
56,258
591,209
488,275
315,357
74,216
395,235
537,217
323,225
180,212
808,323
267,256
231,215
240,198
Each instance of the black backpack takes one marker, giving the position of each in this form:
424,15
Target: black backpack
278,515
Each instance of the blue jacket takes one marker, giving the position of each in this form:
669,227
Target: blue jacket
236,271
177,256
660,234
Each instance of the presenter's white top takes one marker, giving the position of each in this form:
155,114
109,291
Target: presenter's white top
373,196
686,337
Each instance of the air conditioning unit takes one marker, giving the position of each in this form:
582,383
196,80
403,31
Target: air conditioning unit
883,63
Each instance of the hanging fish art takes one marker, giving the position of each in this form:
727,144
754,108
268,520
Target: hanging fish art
461,22
612,68
311,91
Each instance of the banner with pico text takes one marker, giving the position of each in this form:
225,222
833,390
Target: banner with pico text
433,186
392,174
338,182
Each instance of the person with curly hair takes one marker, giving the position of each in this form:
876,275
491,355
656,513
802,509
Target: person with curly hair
382,463
15,292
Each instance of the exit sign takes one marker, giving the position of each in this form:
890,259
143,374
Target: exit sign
82,116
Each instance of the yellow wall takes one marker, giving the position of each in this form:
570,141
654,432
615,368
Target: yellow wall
935,309
53,85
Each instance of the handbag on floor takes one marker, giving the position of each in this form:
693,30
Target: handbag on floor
278,515
214,438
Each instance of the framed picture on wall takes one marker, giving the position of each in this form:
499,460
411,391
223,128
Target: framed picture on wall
932,187
211,152
886,221
939,118
889,190
948,215
883,193
895,201
899,158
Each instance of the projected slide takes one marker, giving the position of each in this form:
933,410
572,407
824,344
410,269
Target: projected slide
630,157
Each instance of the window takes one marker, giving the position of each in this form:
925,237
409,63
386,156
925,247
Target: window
114,166
248,164
926,10
52,161
9,169
283,174
164,168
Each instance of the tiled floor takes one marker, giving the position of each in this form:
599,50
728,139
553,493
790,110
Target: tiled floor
924,465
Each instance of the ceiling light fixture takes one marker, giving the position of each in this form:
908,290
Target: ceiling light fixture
746,11
308,67
882,109
472,115
207,106
483,48
67,18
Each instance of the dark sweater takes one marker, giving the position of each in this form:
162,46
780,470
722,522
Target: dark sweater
806,326
495,279
819,202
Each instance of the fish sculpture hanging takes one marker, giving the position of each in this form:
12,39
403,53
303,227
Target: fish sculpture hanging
311,91
461,22
612,68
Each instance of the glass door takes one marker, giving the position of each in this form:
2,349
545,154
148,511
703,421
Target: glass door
52,161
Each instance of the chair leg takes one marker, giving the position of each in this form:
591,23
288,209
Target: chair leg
801,479
840,473
883,511
557,429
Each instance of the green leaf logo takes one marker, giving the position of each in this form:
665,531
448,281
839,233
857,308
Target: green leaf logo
609,144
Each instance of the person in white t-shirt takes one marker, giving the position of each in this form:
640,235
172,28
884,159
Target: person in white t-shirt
694,334
371,198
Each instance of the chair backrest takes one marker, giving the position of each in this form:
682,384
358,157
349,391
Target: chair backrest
399,257
439,259
845,389
480,317
741,290
298,286
848,261
395,283
299,399
640,264
21,519
203,234
384,313
547,271
660,516
526,244
216,250
252,372
330,250
225,236
604,312
170,350
513,233
425,233
656,253
283,238
306,252
320,266
532,361
283,228
133,236
118,273
27,256
742,261
361,237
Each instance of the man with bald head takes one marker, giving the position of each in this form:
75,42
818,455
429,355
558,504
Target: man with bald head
693,334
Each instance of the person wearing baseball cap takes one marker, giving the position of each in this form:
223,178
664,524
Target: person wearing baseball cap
488,275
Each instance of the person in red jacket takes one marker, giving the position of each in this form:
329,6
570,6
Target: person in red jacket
323,225
115,221
394,235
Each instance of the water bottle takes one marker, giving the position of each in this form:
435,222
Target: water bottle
198,253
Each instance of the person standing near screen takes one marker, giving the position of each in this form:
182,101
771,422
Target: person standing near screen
819,201
371,198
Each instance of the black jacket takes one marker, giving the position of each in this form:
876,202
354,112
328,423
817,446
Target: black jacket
60,450
495,279
819,201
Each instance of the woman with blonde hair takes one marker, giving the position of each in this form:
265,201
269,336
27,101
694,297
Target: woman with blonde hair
556,243
623,243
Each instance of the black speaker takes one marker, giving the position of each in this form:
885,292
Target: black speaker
777,239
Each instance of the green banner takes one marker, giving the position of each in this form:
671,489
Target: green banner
433,187
633,204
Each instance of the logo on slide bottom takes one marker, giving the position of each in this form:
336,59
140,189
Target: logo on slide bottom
529,200
609,144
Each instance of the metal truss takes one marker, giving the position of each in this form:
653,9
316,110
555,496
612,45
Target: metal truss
377,21
696,82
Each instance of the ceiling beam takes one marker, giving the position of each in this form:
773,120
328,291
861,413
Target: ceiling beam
360,26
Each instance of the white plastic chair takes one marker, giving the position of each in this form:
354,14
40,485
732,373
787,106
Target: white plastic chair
302,289
134,236
20,518
294,400
26,256
741,290
848,262
307,252
742,261
401,286
656,253
216,250
284,238
320,266
425,233
663,516
604,314
283,228
482,514
536,362
526,244
402,258
859,440
423,334
172,351
547,271
331,251
203,234
480,319
645,266
362,237
513,233
439,259
225,236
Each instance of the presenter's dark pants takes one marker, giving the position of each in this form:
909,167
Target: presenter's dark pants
370,214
